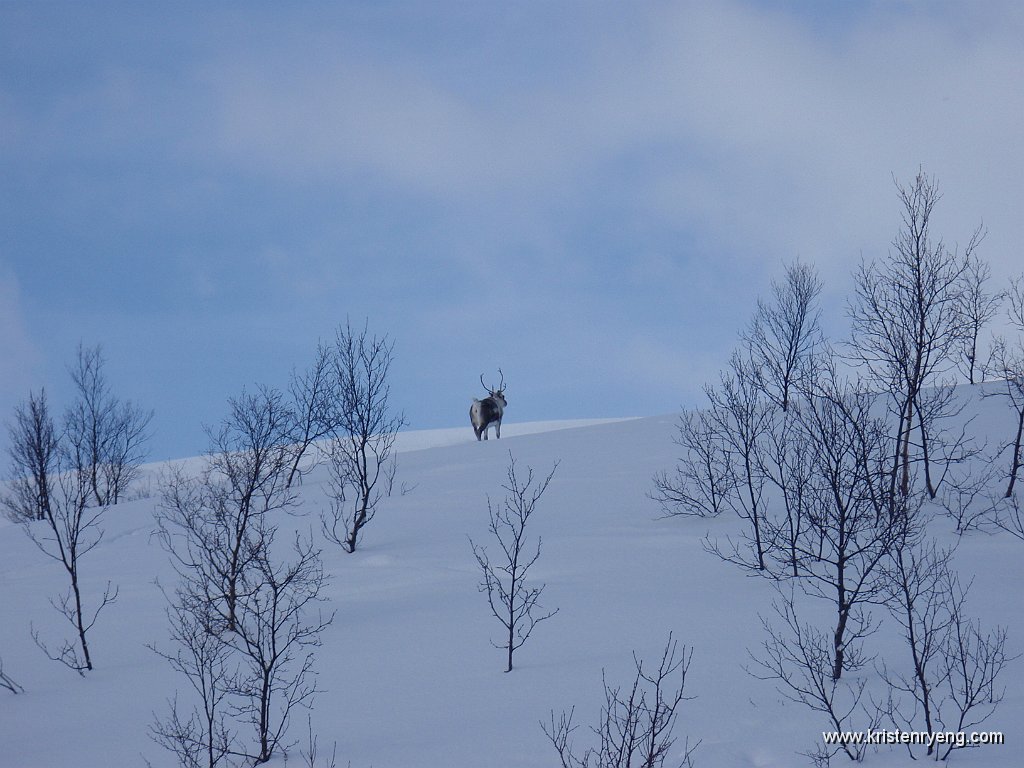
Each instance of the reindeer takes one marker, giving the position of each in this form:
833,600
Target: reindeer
483,413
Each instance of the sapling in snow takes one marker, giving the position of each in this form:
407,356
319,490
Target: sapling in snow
513,601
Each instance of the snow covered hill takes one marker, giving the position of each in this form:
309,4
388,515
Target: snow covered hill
409,677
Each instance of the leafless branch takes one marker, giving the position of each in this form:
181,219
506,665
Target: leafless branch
784,334
703,477
6,681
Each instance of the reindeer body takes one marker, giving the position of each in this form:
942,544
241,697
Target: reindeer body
483,413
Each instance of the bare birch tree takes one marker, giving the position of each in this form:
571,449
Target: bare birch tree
973,659
798,657
257,673
362,460
907,322
105,435
513,601
703,478
852,515
199,732
740,417
275,636
72,530
920,597
948,680
637,724
34,453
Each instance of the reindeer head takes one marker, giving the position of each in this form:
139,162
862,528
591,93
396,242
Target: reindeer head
498,393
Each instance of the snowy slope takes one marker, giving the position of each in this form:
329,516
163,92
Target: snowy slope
409,677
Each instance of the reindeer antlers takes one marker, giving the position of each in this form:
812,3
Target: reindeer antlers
501,386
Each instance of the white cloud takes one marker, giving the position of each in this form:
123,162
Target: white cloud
603,193
776,139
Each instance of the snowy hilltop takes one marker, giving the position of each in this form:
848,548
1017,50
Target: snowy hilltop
407,675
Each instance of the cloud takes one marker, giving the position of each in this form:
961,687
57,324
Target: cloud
578,192
752,126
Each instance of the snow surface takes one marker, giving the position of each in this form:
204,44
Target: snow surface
409,677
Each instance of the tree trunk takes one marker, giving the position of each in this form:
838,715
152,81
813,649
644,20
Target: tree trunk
906,421
1016,454
754,514
838,643
79,622
932,491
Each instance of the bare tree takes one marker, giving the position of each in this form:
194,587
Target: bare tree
973,660
34,452
978,306
907,320
274,636
636,727
799,658
920,599
71,531
362,461
106,436
241,623
703,476
200,736
764,452
740,416
783,335
852,516
513,602
951,680
257,672
314,403
214,524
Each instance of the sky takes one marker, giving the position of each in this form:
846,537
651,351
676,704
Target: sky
590,196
